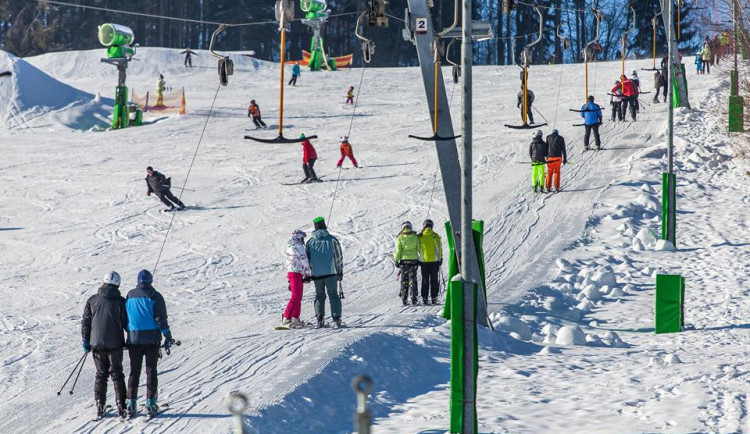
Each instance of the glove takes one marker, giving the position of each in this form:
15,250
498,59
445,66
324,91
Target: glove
86,345
341,277
398,265
148,193
168,341
307,279
565,162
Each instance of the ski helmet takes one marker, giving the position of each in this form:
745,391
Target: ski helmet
406,225
554,132
591,97
428,223
344,138
301,136
298,234
144,276
252,101
538,133
112,278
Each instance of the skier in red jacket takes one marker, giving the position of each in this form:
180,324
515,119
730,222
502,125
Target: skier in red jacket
630,97
308,160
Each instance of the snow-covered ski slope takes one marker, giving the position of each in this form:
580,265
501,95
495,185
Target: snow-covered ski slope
74,207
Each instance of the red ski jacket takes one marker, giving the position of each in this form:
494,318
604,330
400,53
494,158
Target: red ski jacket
308,152
627,87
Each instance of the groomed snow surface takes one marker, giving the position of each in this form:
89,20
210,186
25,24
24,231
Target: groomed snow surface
570,275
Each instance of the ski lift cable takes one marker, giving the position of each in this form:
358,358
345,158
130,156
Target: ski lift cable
164,17
533,5
184,184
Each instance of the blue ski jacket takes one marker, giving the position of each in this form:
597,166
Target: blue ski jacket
324,252
147,316
593,113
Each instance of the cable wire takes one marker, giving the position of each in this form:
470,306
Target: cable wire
184,184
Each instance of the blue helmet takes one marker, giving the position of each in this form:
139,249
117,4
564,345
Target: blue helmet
144,276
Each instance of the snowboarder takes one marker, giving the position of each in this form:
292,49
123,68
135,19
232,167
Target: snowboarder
556,155
629,97
147,322
346,151
160,86
657,85
308,160
538,155
298,271
103,328
529,102
592,118
350,95
615,100
407,255
188,56
254,112
296,71
160,185
327,268
432,258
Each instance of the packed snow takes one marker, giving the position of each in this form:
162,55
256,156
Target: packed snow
570,275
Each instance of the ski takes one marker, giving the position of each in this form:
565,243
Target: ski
320,179
161,409
99,417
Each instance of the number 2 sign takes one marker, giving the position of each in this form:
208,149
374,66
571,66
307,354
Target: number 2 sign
421,24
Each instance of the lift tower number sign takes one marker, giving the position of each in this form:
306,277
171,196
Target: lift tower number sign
421,25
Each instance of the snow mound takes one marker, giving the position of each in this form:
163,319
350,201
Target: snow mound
31,94
512,325
664,246
570,335
645,240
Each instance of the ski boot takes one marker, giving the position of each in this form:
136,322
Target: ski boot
296,324
336,322
305,181
151,408
321,322
101,408
434,300
424,301
131,408
405,302
121,411
286,322
414,301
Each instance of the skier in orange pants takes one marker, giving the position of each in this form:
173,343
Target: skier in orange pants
346,151
556,156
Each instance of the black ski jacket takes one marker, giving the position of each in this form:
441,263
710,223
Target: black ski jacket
156,183
537,150
105,319
556,147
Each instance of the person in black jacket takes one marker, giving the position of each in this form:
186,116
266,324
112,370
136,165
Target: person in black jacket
159,185
189,57
103,329
556,155
147,322
538,154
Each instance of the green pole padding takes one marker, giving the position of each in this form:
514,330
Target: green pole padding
670,297
457,354
733,83
675,88
736,114
668,197
477,227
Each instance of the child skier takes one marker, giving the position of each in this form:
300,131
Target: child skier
616,101
254,112
538,154
160,87
298,271
296,71
308,160
407,256
346,151
350,95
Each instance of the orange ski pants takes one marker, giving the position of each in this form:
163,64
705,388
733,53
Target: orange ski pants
553,169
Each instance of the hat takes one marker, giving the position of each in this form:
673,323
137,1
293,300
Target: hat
319,223
591,97
252,101
554,131
301,136
538,133
144,276
149,168
406,225
635,73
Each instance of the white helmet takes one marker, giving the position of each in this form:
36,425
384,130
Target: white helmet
112,278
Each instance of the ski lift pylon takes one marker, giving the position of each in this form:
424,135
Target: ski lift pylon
653,44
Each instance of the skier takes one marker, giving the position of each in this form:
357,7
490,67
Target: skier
432,259
103,328
346,151
407,255
698,63
160,86
159,185
637,88
657,85
538,154
556,155
296,71
706,58
592,118
615,100
309,156
529,102
298,271
629,97
254,112
327,268
350,95
188,56
147,322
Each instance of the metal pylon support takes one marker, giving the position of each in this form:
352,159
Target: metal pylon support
420,20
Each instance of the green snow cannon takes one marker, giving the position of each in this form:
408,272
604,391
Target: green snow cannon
314,8
118,39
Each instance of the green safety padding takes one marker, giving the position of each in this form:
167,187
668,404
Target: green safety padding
670,295
665,195
457,355
736,114
675,88
477,227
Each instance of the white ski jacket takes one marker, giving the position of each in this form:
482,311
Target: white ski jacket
296,257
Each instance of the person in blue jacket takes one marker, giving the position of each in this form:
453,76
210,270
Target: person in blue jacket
147,322
296,71
327,265
592,118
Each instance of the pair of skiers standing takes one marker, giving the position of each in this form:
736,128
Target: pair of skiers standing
551,154
320,261
423,250
143,316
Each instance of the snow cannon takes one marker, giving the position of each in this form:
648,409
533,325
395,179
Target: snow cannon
314,9
118,39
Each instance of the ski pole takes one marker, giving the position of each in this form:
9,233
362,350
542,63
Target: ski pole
79,373
179,188
341,291
167,350
71,373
